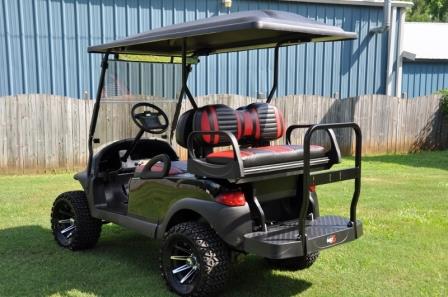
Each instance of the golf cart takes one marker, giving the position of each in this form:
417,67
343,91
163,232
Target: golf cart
238,191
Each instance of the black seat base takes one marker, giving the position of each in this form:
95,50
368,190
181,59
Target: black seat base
233,172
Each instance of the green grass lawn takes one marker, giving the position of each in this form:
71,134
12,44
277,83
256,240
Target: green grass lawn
404,250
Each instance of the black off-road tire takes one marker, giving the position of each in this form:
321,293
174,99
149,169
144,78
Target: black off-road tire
211,256
85,230
293,264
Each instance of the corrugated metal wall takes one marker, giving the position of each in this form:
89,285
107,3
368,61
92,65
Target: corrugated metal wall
43,47
424,78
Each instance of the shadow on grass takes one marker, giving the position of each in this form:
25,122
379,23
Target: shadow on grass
434,159
122,264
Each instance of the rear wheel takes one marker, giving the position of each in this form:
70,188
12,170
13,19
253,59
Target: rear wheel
297,263
303,262
72,225
194,261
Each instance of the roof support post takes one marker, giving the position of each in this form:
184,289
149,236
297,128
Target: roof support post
186,69
96,108
275,82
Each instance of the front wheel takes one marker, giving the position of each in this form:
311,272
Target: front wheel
194,261
72,225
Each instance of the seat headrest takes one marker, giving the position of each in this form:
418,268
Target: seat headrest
217,117
262,122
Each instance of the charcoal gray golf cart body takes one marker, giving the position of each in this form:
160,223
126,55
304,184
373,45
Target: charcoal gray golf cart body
257,197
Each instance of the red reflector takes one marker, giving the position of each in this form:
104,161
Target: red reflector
231,199
312,188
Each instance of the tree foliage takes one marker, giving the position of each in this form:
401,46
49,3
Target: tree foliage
444,101
429,11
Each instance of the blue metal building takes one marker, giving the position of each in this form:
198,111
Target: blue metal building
43,47
422,78
425,58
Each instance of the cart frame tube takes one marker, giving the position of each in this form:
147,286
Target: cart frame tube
275,82
186,69
306,181
96,108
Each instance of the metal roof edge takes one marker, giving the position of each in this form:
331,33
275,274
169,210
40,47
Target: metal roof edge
427,60
402,4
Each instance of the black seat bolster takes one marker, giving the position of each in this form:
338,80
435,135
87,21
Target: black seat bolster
177,167
184,127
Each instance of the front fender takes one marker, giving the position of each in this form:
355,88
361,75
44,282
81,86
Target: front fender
82,178
230,223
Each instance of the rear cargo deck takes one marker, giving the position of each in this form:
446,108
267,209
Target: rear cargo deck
282,241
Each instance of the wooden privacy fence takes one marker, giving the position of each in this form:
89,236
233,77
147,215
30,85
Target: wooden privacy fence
42,133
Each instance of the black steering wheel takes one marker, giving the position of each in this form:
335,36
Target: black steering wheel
149,120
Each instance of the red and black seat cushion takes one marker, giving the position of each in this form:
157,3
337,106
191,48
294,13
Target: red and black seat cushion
252,125
266,155
217,117
255,123
262,122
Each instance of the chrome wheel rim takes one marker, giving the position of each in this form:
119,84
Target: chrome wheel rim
184,264
64,223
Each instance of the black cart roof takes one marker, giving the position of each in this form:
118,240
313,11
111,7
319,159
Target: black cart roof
226,33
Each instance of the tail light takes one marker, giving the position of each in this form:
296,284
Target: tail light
231,199
312,188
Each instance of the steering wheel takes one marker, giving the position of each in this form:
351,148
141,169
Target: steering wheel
149,121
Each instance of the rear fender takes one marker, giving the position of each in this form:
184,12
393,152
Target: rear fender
230,223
